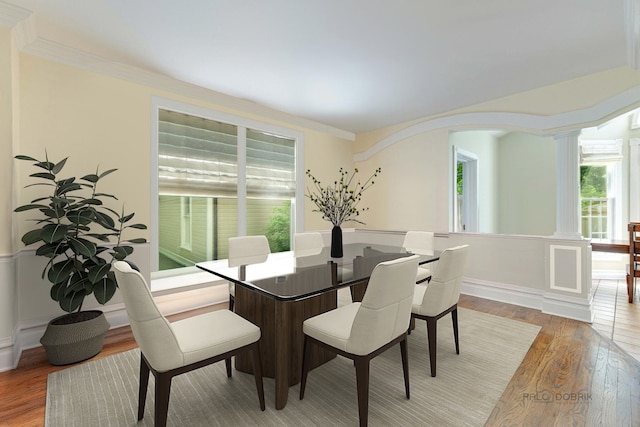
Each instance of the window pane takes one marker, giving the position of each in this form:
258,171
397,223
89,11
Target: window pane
213,221
271,167
196,156
271,218
198,169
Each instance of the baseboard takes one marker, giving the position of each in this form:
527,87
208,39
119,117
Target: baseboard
569,307
28,334
511,294
557,305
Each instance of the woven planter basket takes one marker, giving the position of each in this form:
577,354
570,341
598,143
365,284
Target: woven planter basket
67,343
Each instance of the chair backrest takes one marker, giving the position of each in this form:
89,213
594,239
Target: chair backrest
385,310
151,329
634,243
307,244
443,291
246,250
419,242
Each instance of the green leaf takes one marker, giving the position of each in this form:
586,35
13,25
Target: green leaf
82,247
45,165
58,166
105,173
138,240
71,301
77,283
60,271
23,157
106,195
121,252
138,226
104,220
57,291
32,236
104,290
81,217
98,272
91,202
29,207
44,175
98,236
52,233
126,217
51,213
49,250
91,178
66,187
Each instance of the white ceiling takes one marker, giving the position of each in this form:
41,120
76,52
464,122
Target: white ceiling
356,65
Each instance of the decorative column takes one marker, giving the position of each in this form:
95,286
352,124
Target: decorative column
567,186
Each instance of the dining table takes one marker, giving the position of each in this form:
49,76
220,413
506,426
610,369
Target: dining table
281,293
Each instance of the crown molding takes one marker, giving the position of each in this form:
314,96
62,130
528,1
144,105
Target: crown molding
11,15
25,32
544,125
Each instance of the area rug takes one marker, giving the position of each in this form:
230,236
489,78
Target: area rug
464,392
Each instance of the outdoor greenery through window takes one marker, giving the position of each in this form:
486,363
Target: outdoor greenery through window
594,202
207,172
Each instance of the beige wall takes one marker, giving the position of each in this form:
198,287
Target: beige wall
100,120
412,191
8,244
418,165
97,119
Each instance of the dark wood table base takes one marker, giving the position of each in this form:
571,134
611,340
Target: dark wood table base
282,338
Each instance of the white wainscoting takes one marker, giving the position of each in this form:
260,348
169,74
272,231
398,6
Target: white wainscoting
510,269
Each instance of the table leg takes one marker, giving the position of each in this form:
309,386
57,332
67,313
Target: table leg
283,352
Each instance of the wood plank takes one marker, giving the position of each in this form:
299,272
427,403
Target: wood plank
567,355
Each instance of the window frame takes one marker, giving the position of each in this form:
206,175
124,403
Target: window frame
243,123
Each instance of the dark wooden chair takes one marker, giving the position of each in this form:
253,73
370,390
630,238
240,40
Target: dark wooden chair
440,297
170,349
361,331
633,268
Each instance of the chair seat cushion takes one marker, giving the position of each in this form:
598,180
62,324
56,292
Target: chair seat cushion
423,274
198,342
332,327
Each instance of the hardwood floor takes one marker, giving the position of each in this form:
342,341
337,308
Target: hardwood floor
572,375
615,318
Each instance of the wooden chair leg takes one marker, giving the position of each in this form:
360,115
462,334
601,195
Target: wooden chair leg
362,382
163,390
232,302
227,364
405,365
306,360
142,387
454,320
257,373
432,338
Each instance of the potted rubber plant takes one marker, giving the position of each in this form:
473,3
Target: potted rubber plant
80,236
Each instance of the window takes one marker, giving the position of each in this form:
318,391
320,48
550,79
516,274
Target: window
220,176
600,193
185,223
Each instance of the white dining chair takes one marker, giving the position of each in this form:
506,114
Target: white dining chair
440,297
244,251
307,244
362,330
421,243
170,349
